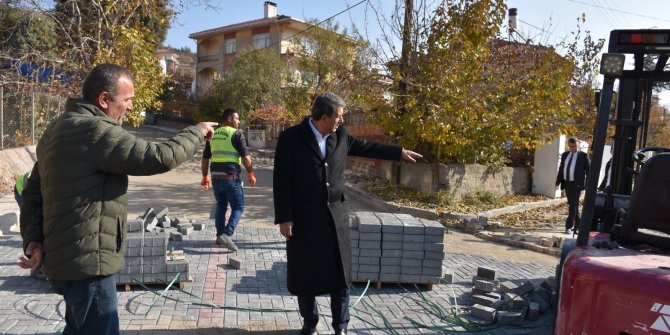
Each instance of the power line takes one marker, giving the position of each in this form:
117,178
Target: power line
620,11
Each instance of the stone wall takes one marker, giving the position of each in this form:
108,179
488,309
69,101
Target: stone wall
457,179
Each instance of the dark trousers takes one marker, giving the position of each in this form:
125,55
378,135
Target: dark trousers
339,307
90,305
227,192
572,193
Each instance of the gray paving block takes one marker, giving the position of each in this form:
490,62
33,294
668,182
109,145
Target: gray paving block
411,262
411,270
544,304
525,288
510,317
432,263
433,238
428,271
484,285
484,313
368,223
134,225
186,230
411,238
369,244
161,211
390,261
157,259
150,224
389,245
409,278
392,237
355,251
369,268
390,223
368,260
408,246
433,227
413,227
199,225
176,236
363,252
234,262
507,286
486,273
514,301
375,236
436,247
544,293
177,265
434,255
363,276
413,254
392,253
355,234
394,269
498,304
483,300
132,260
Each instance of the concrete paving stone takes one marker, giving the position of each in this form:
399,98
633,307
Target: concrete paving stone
391,245
392,237
390,261
370,236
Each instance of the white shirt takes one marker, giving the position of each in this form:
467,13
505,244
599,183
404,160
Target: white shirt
569,168
320,139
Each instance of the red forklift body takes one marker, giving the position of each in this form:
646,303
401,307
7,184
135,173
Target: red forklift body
617,291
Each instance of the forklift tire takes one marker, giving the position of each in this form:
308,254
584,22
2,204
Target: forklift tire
568,245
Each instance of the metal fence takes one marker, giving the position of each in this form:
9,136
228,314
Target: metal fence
25,111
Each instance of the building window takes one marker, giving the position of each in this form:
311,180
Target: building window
260,41
230,46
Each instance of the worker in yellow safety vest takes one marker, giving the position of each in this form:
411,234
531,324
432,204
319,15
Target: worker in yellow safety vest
226,151
21,181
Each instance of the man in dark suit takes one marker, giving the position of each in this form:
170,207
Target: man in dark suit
571,177
311,210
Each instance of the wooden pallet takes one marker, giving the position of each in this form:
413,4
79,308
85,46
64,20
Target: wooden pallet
378,284
128,287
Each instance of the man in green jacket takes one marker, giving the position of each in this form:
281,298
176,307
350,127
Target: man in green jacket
74,211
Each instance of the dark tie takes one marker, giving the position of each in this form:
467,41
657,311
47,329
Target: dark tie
567,177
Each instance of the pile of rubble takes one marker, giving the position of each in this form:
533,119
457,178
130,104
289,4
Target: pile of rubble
506,302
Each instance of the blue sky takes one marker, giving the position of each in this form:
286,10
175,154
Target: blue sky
543,20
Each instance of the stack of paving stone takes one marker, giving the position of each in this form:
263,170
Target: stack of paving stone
506,302
396,248
146,249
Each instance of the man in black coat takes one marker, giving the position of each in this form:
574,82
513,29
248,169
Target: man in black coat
311,210
571,177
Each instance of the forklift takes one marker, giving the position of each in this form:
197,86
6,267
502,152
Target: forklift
615,277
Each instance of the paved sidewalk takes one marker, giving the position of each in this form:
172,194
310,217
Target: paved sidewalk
29,306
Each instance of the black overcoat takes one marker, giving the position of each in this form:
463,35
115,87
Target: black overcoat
309,190
581,170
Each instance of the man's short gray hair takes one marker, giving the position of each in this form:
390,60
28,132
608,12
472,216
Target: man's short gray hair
326,104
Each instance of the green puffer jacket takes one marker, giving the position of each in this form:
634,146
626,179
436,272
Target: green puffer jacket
75,200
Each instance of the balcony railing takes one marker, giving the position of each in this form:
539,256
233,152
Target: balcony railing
208,58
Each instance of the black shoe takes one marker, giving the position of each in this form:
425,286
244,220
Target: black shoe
341,332
307,330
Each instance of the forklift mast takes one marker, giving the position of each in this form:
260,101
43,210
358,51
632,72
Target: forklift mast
650,50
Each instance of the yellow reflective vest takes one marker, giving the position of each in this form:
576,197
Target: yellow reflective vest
21,181
222,147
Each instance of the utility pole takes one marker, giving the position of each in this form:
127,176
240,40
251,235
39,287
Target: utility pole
405,56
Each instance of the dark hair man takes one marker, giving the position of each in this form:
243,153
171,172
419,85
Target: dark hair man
571,177
310,208
74,211
227,150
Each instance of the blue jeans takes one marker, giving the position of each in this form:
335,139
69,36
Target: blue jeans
90,305
227,191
